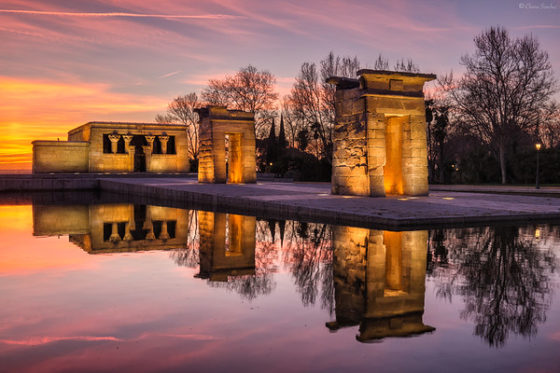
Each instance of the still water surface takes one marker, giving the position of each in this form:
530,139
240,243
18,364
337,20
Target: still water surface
141,287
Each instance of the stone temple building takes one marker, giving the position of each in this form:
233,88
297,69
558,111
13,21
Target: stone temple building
115,147
380,134
227,150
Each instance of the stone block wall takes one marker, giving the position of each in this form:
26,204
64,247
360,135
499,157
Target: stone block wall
60,156
350,166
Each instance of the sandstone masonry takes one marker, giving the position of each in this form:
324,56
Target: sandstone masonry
380,134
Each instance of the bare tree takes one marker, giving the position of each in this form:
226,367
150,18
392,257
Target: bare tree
312,99
381,63
181,110
506,84
440,124
406,66
293,126
249,89
547,130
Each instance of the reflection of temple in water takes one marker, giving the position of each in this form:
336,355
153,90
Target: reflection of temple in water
379,279
379,276
227,245
114,227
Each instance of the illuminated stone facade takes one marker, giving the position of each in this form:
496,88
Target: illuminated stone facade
380,134
227,245
227,146
115,147
379,281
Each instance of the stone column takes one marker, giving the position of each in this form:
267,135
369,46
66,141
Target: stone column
127,139
163,140
131,153
148,156
114,142
130,150
148,150
150,139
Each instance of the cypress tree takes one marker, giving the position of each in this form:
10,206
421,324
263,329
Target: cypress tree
271,145
282,143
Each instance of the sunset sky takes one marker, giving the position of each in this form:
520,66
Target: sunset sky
67,62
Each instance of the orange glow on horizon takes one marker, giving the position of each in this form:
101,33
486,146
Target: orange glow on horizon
47,110
19,253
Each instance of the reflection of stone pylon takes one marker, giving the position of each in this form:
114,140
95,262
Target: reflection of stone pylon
219,261
379,279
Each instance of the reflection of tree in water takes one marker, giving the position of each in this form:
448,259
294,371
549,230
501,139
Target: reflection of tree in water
248,286
306,252
189,256
262,281
501,274
310,262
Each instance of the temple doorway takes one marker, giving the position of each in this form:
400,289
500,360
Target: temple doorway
393,170
138,142
234,165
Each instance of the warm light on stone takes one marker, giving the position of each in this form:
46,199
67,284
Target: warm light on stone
380,134
392,172
239,166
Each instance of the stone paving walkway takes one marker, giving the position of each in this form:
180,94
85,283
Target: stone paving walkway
499,189
313,201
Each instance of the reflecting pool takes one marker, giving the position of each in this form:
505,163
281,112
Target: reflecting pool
119,286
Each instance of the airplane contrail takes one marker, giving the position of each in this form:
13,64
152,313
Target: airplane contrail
120,14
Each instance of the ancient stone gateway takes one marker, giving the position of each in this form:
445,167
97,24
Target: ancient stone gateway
227,146
380,134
